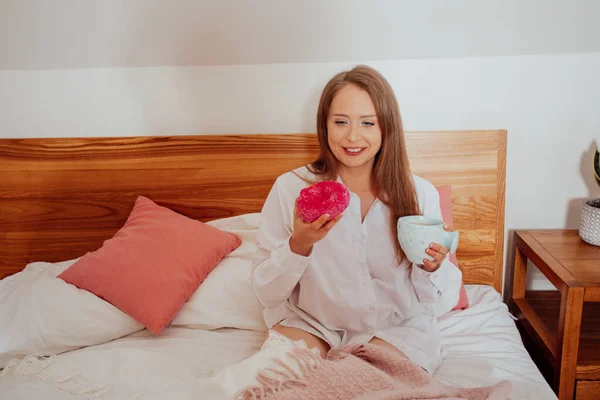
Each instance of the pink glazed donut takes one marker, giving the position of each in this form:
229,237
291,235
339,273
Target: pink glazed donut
325,197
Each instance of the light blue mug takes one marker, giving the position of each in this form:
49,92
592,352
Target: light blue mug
416,232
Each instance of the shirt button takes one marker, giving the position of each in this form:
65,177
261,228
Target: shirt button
365,283
371,309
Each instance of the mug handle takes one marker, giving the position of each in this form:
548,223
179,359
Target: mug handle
454,241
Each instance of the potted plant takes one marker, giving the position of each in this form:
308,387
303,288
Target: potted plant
589,227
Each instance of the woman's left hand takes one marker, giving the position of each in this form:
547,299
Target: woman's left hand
438,252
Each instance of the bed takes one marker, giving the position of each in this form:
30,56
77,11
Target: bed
62,197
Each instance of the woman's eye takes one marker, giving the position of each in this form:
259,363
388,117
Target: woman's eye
367,123
339,122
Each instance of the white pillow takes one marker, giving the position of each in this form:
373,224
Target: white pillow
42,314
226,298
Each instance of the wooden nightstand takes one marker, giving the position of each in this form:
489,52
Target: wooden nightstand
563,326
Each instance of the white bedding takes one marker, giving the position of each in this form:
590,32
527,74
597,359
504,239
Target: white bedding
481,344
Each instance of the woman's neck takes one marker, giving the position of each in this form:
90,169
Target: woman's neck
358,180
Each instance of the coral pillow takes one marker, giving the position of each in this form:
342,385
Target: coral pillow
153,264
445,193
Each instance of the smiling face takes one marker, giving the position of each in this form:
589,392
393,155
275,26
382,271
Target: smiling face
360,135
353,132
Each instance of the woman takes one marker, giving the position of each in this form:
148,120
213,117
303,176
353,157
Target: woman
347,281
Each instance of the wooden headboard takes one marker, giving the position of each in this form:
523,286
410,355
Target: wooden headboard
60,198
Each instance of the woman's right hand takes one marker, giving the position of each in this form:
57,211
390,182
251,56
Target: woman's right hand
306,234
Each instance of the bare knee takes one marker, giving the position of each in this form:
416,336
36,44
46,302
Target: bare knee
295,334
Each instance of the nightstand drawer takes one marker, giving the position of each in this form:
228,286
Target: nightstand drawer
587,390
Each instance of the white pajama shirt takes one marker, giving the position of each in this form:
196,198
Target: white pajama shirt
351,287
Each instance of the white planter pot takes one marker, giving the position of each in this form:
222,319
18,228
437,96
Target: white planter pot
589,225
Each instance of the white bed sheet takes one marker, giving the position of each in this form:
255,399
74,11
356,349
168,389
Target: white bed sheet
481,347
173,365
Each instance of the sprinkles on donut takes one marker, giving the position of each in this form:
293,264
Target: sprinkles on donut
324,197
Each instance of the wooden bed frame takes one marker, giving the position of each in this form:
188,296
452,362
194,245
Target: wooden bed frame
60,198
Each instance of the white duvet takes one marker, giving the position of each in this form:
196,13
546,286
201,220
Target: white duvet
481,344
97,352
141,366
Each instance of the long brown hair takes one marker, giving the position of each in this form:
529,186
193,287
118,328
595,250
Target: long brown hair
391,170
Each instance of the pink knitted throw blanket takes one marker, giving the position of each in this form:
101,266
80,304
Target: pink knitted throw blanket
359,372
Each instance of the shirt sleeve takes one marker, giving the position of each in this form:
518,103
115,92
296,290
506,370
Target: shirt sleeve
438,291
276,269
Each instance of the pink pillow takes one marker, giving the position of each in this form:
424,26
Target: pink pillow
153,264
445,193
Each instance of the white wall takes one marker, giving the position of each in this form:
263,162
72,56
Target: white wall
42,34
548,104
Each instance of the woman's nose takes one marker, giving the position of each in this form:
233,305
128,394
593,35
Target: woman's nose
353,135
